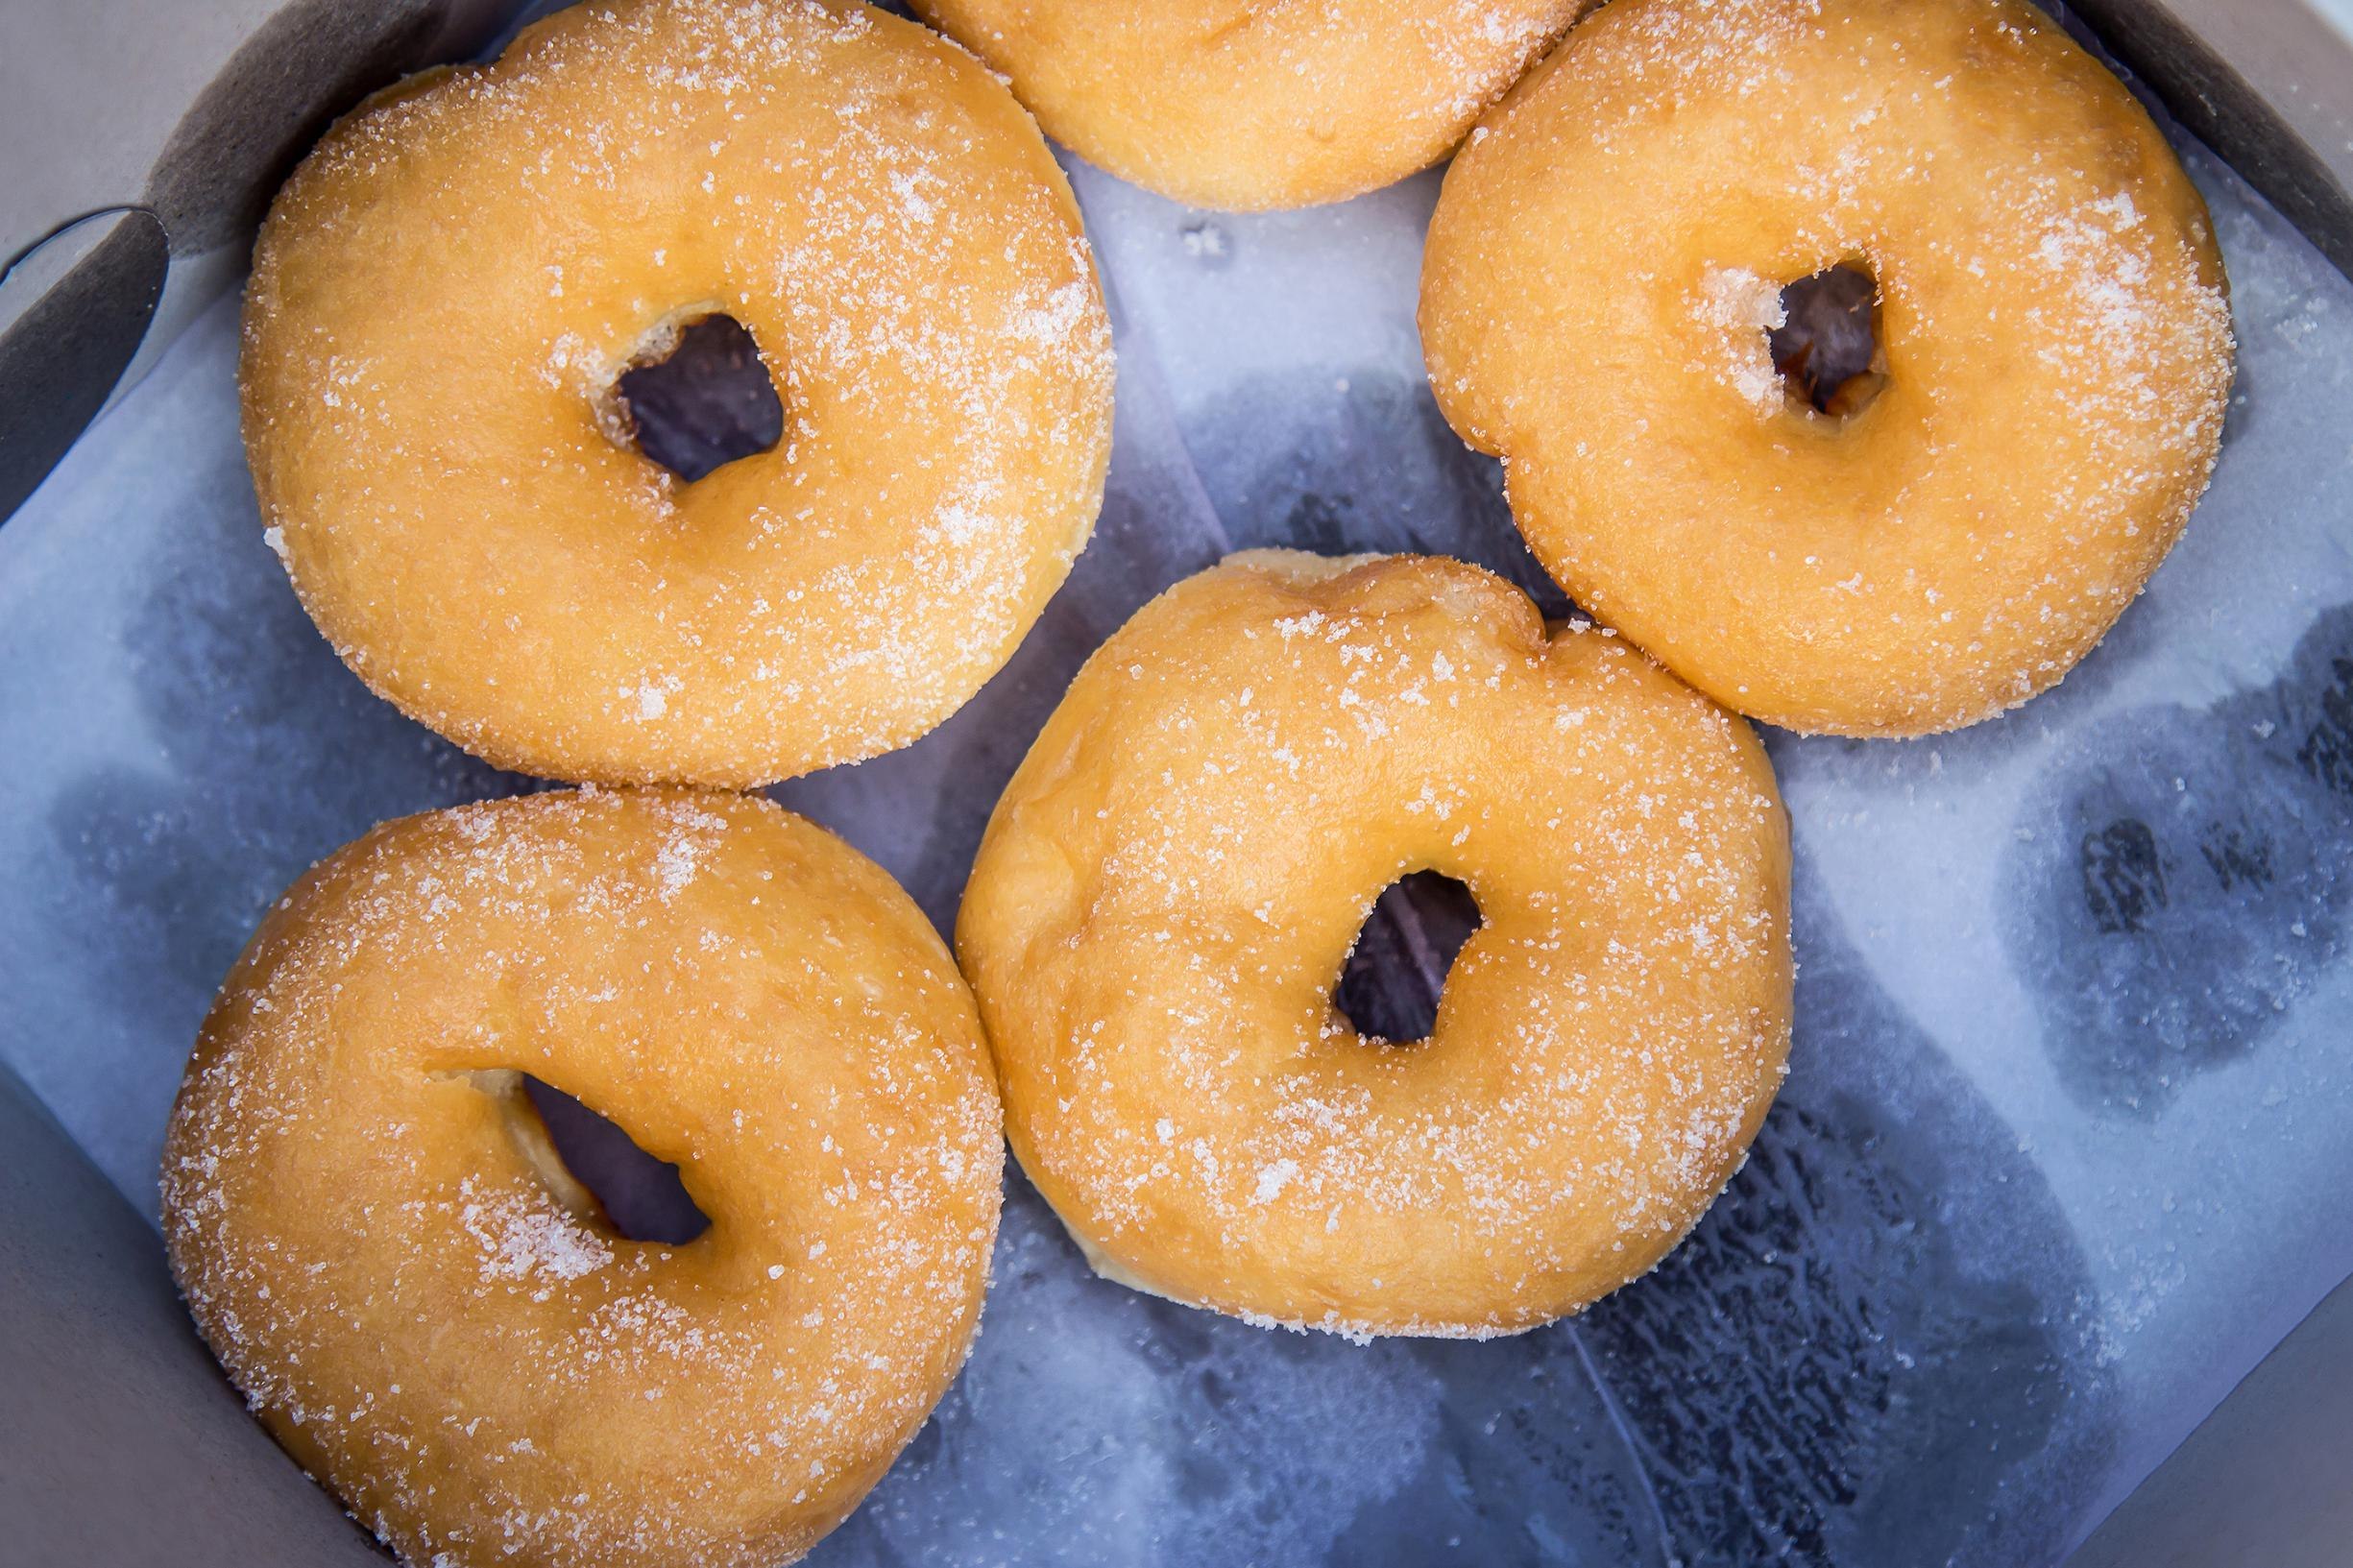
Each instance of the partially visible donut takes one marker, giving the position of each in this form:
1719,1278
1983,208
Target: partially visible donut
1253,104
1168,889
359,1207
1603,294
451,287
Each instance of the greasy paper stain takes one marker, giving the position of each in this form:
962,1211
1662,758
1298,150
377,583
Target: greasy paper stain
274,755
1361,462
2182,888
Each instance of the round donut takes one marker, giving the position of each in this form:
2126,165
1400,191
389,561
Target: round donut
2055,336
1172,882
374,1236
448,289
1243,104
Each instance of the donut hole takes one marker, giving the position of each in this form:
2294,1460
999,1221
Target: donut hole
1389,984
592,1166
697,395
1826,348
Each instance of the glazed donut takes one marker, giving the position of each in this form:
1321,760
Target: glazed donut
450,290
2055,349
1246,105
1168,888
420,1303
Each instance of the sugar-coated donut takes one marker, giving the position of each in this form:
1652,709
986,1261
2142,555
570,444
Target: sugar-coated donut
448,288
1244,105
1168,888
1610,251
363,1221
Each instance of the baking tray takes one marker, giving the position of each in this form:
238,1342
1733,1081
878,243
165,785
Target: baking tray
2058,1162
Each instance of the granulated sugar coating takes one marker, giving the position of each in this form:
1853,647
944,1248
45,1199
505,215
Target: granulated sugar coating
447,287
1253,104
484,1371
1605,261
1172,882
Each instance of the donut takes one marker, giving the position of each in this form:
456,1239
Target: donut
455,291
2045,403
1167,893
1244,105
429,1313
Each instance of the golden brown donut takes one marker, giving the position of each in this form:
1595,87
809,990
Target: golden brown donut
1168,888
448,286
1252,104
373,1235
1610,251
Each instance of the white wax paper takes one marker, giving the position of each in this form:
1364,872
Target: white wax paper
2064,1146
